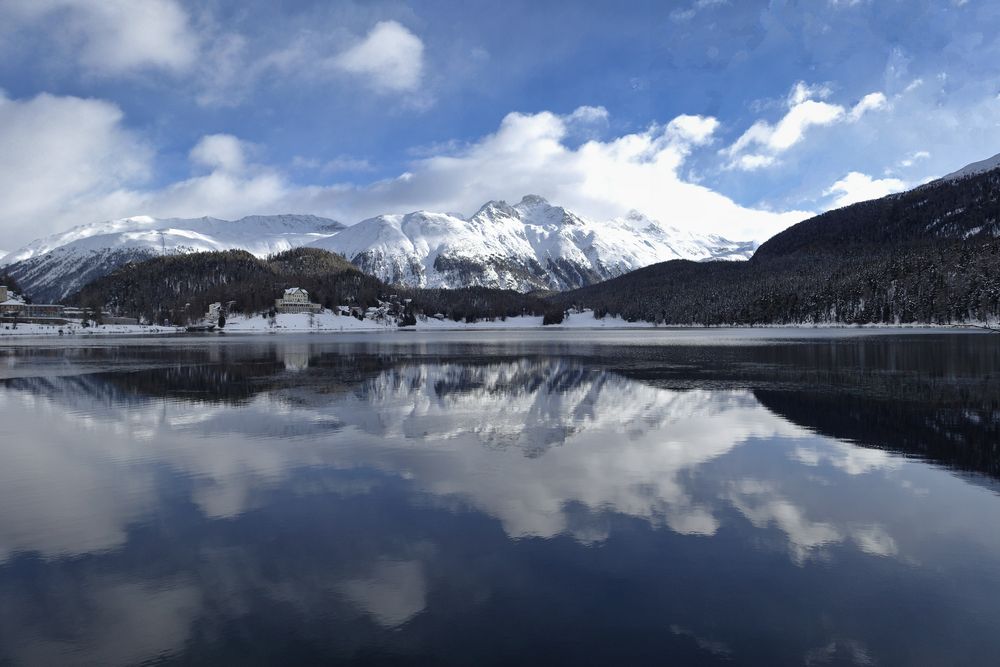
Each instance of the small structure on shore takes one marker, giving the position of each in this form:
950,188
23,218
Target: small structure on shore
17,308
296,300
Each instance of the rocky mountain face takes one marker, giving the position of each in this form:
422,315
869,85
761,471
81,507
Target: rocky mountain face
527,246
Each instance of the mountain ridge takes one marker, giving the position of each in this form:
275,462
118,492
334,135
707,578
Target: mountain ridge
526,246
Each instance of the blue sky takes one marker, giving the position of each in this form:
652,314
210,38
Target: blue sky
732,117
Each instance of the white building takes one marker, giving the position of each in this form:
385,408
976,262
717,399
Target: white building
296,300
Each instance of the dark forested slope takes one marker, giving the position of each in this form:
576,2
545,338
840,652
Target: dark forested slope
966,209
175,286
928,255
180,287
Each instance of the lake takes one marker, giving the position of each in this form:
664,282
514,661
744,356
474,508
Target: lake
644,497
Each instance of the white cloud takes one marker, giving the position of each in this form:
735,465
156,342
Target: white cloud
58,173
599,179
695,130
913,158
802,91
56,152
113,36
870,102
588,114
855,187
215,62
690,12
761,144
390,57
220,151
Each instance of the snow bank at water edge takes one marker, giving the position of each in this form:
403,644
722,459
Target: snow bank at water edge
327,321
77,330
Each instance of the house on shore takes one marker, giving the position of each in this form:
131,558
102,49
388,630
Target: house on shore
15,308
296,300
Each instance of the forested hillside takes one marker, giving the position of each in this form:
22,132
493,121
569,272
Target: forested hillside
179,288
929,255
952,283
965,209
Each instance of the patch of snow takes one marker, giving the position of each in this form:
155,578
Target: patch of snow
76,330
980,167
327,321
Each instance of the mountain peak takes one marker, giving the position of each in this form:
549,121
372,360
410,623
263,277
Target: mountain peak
980,167
533,200
496,206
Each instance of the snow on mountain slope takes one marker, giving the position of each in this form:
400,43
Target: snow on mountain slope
52,268
531,245
975,168
527,246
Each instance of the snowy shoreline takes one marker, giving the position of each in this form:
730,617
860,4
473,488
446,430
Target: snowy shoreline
327,322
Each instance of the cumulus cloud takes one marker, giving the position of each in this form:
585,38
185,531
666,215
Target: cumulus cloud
390,58
64,176
220,151
599,179
855,187
220,65
113,36
58,152
763,143
870,102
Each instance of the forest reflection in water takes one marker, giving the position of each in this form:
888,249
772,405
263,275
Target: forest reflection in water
783,502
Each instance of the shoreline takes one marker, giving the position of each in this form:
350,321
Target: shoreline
299,324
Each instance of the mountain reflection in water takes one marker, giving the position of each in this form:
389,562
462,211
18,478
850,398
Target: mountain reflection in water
806,502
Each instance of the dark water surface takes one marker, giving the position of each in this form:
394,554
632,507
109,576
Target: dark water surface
583,498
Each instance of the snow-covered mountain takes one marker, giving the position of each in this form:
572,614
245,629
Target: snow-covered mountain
980,167
54,267
530,245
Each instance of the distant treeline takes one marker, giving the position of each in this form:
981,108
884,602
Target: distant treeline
179,288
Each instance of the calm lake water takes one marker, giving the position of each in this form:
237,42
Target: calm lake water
760,497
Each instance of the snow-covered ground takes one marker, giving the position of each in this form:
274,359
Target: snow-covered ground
327,321
975,168
77,330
